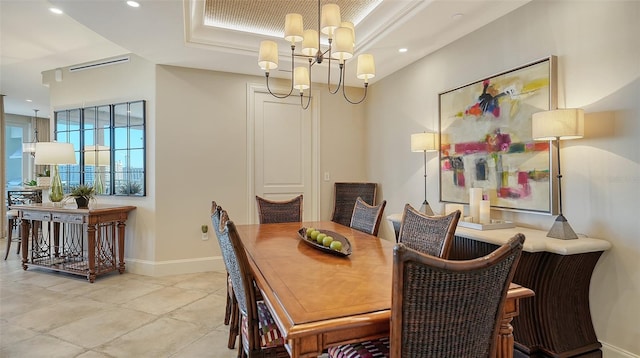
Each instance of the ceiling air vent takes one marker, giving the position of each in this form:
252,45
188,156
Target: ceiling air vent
109,62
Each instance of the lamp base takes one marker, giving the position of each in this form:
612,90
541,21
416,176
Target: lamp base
426,209
561,229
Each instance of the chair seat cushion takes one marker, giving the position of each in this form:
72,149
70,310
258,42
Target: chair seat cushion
270,335
369,349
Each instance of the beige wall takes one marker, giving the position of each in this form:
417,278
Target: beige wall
196,152
598,47
201,153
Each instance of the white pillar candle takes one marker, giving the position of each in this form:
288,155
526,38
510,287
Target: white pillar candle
485,212
449,208
475,196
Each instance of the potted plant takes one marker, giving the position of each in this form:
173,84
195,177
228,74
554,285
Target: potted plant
82,194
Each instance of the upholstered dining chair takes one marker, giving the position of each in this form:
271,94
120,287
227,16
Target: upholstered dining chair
270,211
345,195
259,334
431,235
366,218
15,197
442,308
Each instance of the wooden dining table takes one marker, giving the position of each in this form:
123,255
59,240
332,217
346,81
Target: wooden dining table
320,300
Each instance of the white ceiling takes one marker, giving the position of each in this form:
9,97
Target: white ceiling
33,40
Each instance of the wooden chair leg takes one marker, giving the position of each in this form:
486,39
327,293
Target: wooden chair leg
234,323
9,237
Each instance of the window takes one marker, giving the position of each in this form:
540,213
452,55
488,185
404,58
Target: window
110,147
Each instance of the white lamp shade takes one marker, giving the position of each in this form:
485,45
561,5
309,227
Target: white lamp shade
29,147
343,42
330,19
100,156
54,153
301,78
350,26
268,55
421,142
293,28
310,43
560,123
366,68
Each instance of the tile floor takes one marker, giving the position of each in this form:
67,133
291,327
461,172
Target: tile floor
49,314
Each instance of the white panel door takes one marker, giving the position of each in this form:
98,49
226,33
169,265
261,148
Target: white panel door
282,150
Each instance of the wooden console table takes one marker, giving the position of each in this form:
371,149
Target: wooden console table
556,322
77,241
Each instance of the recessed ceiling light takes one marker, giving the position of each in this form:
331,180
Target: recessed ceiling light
457,16
55,10
402,50
29,100
133,3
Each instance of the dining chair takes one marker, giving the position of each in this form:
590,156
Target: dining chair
270,211
345,195
366,218
259,333
15,197
432,235
442,308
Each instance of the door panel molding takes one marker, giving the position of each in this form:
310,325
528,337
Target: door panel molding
252,90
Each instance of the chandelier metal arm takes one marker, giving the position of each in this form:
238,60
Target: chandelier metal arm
344,92
281,96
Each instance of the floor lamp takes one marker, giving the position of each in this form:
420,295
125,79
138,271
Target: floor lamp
557,125
54,153
424,142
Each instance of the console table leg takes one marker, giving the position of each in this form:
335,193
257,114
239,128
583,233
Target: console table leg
91,240
121,227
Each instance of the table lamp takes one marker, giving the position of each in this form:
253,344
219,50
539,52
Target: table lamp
54,153
557,125
98,156
424,142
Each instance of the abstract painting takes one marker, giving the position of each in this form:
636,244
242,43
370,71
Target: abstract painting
485,139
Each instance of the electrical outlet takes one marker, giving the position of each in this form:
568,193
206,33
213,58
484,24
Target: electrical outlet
327,177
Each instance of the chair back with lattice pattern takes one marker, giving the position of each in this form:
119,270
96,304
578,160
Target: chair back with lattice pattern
270,211
366,218
443,308
345,195
431,235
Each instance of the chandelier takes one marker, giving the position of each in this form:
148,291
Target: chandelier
341,38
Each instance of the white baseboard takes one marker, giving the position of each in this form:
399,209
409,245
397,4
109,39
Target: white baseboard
609,351
174,267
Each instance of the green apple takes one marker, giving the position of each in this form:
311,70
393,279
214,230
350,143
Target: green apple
336,245
327,241
314,234
309,231
320,237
